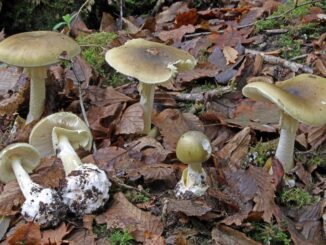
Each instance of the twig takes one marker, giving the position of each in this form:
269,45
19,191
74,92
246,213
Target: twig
299,57
119,183
120,14
157,6
81,101
279,61
200,97
279,16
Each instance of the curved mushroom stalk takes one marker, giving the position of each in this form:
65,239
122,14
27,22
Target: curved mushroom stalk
37,93
192,183
42,205
285,147
147,100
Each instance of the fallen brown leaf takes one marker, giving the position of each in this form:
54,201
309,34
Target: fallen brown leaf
230,54
102,97
137,222
132,120
55,236
223,234
8,78
171,12
186,18
177,34
108,23
28,234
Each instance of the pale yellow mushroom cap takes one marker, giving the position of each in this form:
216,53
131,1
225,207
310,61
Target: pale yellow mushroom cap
149,62
37,48
29,158
193,147
64,123
302,97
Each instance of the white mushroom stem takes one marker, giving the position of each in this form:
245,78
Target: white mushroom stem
37,94
24,180
68,156
147,100
285,147
194,172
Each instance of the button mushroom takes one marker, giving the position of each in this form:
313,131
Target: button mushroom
193,148
42,205
86,187
35,51
151,63
300,99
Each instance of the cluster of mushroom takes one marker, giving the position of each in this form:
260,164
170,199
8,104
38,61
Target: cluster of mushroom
86,187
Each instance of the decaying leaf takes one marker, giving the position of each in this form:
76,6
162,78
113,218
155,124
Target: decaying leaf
138,223
102,97
235,150
55,236
223,234
230,54
171,12
197,207
172,124
8,79
200,71
132,120
28,234
177,34
254,184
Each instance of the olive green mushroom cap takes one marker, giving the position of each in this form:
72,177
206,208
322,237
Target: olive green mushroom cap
29,158
44,135
149,62
193,147
302,97
37,48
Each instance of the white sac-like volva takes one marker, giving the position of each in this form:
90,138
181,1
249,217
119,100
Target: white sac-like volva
86,189
195,187
44,206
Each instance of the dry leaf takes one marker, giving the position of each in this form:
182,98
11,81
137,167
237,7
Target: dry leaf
200,71
186,18
108,23
8,78
132,120
230,54
195,207
223,234
28,234
81,237
236,149
171,12
102,97
138,223
177,34
55,236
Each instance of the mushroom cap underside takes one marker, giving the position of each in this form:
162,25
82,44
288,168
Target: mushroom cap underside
37,48
149,62
193,147
26,153
302,97
77,132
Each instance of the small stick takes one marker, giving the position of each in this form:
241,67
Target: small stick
119,183
200,97
279,61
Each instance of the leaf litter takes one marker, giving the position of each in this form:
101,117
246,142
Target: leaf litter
239,195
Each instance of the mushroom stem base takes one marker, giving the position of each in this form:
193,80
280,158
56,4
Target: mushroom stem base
285,147
192,183
37,94
147,100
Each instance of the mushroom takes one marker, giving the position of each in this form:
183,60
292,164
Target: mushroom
42,205
193,148
35,51
151,63
86,187
300,99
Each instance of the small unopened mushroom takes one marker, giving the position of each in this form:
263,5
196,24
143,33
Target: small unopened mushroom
193,148
86,187
151,63
35,51
300,99
42,205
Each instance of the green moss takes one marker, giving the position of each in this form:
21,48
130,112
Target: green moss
259,153
290,48
116,79
270,234
92,49
116,236
136,196
119,237
296,197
